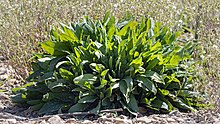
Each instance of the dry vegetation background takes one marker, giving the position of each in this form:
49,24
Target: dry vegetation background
26,23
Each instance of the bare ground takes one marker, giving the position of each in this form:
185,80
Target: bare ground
11,114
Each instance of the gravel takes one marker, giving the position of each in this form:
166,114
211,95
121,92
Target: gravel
11,114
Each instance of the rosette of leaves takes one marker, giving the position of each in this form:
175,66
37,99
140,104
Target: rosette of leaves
108,64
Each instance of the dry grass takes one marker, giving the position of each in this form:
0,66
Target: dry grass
25,23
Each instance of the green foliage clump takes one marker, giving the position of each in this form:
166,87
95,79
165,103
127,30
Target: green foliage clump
107,64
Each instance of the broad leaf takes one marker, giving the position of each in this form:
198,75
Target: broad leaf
157,103
147,83
66,74
85,78
48,46
88,99
78,107
50,108
154,76
133,105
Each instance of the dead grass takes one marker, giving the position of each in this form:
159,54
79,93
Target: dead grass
25,23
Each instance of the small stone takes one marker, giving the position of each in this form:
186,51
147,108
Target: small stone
163,116
174,112
11,121
3,71
26,122
121,121
2,58
3,96
2,107
156,118
179,119
55,120
11,81
102,119
71,121
2,121
144,120
87,122
217,122
3,77
122,117
169,120
43,122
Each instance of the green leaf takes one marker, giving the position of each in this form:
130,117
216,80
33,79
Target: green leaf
50,107
131,25
156,46
111,32
129,83
34,102
143,87
37,106
61,96
77,52
152,64
155,76
122,24
56,84
97,44
178,102
97,67
85,78
137,62
18,98
74,60
126,86
157,103
150,27
174,61
108,92
78,107
103,83
88,99
48,46
111,23
147,83
53,63
103,74
54,34
46,76
110,63
106,17
18,89
66,74
133,103
164,92
124,89
125,106
35,74
115,85
62,63
68,32
96,110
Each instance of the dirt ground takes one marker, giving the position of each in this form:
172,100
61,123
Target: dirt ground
11,114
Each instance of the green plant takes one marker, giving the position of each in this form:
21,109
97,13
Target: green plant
90,66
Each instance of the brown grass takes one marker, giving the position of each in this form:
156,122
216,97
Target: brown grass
25,23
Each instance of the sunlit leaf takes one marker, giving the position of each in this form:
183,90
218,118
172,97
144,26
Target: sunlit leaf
147,83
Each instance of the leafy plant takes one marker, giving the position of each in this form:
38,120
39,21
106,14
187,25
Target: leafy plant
90,66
